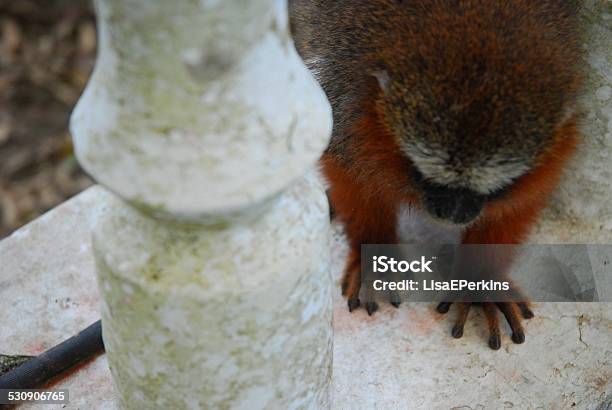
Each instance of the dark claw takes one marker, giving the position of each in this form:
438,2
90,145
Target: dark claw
457,331
353,304
443,307
526,312
494,342
518,337
396,304
371,307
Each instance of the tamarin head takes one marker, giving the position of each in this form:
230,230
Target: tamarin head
474,97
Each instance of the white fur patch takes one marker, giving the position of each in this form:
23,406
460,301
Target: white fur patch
315,65
485,177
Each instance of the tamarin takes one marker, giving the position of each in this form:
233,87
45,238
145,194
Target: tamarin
452,116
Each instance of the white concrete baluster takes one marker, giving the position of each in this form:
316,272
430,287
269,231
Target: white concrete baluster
212,255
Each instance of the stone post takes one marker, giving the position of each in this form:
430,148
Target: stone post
212,249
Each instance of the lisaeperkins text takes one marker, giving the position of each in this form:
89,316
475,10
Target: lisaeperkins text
430,284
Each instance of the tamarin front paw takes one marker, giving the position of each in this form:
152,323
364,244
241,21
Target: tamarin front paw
370,307
351,285
353,302
513,312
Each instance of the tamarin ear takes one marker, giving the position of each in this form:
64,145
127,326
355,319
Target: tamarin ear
382,76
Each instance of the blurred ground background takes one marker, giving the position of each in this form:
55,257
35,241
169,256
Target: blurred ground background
47,51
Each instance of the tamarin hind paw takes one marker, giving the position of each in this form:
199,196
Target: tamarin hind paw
514,312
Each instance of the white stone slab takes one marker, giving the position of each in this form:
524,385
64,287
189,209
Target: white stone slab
48,293
400,358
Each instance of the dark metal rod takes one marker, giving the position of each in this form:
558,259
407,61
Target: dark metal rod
38,370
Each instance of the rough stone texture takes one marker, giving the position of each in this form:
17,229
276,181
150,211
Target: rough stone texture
48,292
242,312
581,211
400,358
228,109
407,358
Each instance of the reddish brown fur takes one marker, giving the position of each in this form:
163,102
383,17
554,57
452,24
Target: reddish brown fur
480,78
509,219
368,206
